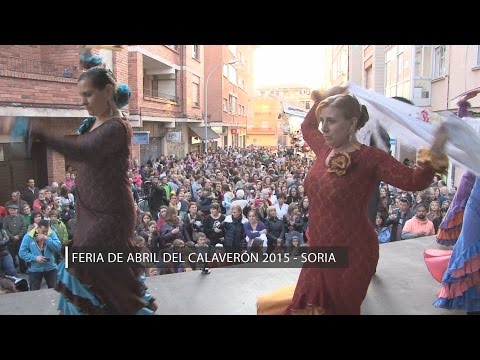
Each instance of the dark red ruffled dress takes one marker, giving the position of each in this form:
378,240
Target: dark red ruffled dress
339,217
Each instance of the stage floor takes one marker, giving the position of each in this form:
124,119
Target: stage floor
402,286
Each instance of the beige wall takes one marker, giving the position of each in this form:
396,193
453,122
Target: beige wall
355,70
463,75
327,67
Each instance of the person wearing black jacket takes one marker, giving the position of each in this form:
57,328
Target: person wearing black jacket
30,193
399,218
211,223
275,228
158,197
234,240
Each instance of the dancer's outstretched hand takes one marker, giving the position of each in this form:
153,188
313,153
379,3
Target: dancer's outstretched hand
6,125
471,94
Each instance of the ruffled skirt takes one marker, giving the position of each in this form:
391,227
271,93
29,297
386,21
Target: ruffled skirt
461,281
70,287
451,226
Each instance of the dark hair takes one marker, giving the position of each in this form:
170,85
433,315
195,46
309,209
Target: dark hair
383,217
422,205
44,222
101,77
33,215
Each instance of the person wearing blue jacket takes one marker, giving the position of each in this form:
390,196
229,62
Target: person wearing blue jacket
38,248
382,231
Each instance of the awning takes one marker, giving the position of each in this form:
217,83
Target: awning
200,132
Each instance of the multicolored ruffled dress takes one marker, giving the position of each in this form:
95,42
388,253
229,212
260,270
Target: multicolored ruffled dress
451,226
461,281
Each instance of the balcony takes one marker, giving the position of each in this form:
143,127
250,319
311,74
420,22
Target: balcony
150,93
35,67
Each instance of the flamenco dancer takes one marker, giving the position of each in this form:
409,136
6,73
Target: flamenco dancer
343,176
461,227
105,207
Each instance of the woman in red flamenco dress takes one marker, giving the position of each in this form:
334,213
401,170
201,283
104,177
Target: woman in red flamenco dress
339,184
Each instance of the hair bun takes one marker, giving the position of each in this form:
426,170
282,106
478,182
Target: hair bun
363,117
122,95
88,60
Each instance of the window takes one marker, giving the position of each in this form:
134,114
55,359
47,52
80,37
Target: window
232,101
439,61
400,67
397,72
369,77
196,91
427,61
225,104
233,49
232,74
196,52
418,60
422,73
162,86
307,105
337,67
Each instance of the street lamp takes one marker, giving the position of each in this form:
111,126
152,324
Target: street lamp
206,98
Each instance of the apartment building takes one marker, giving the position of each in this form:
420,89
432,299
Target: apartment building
291,94
343,63
229,89
39,83
373,74
166,83
431,76
268,127
455,70
279,111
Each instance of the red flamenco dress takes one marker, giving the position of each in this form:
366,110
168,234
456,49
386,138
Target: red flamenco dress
339,217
